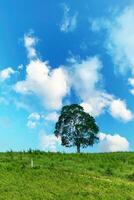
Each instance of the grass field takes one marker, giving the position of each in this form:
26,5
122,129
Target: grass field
66,176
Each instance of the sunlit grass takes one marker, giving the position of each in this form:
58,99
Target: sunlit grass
66,176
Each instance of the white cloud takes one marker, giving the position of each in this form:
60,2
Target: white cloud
6,73
105,102
120,37
53,116
119,110
121,40
34,116
30,42
50,85
20,67
113,143
32,124
120,45
131,83
96,105
33,120
87,83
132,91
69,21
84,77
49,142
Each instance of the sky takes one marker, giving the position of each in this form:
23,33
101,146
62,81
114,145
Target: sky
58,53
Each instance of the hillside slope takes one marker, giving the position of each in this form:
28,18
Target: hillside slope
58,176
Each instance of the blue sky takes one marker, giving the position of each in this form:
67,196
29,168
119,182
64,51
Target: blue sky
52,54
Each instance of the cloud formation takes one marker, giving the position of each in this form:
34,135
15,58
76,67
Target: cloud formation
131,83
50,85
69,21
33,120
118,109
113,143
120,46
82,76
6,73
29,43
120,37
87,83
49,142
121,40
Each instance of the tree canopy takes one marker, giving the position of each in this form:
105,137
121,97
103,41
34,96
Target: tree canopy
76,127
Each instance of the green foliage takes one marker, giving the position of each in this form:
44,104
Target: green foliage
76,127
57,176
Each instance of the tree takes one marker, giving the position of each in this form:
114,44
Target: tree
76,127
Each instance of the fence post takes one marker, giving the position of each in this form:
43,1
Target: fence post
32,164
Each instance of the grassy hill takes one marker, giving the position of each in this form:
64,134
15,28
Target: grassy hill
58,176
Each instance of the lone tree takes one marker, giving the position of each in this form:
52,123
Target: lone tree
76,127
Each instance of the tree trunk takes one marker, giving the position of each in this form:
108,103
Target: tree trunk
78,148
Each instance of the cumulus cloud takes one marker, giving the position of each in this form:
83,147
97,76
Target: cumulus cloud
113,143
6,73
86,75
96,105
33,120
119,110
50,85
49,142
87,83
69,21
82,76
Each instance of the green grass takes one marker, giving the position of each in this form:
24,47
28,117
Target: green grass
58,176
